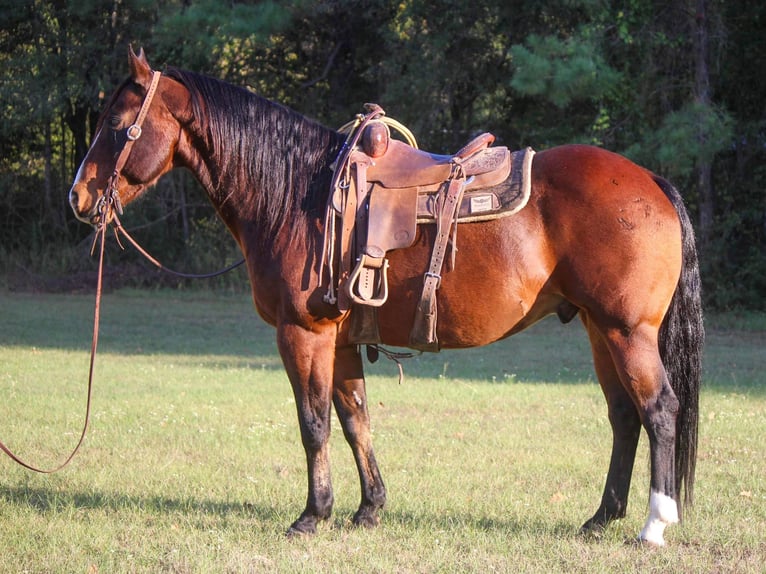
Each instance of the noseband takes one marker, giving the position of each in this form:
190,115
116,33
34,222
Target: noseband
111,197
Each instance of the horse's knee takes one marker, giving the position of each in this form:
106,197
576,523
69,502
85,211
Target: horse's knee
315,431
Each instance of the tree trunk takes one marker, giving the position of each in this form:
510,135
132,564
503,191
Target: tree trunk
702,98
48,175
77,121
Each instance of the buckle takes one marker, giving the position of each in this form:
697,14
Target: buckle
434,276
134,132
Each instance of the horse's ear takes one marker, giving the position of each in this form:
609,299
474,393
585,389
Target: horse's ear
140,71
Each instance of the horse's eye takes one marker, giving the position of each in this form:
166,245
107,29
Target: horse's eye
114,122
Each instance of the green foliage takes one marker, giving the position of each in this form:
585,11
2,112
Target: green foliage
561,70
691,135
424,42
218,37
736,264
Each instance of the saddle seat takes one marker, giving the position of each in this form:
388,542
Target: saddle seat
403,166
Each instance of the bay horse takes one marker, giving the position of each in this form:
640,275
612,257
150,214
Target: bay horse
600,237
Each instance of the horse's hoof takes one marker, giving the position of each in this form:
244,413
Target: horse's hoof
366,519
650,541
300,529
644,543
593,528
592,531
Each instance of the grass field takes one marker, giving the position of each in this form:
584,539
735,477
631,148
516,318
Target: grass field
492,457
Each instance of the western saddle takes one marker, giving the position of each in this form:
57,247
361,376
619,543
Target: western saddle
382,188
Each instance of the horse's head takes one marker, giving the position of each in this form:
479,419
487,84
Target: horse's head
149,148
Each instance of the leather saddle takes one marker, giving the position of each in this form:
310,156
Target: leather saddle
381,189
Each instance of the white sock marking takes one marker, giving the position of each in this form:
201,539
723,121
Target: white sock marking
662,511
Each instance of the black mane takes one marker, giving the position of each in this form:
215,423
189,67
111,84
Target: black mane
268,162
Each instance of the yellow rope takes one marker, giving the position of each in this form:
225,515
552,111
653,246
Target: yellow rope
350,127
402,129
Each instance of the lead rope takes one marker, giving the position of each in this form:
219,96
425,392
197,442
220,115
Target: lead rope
100,234
119,229
107,206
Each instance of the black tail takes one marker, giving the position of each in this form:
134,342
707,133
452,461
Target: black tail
682,337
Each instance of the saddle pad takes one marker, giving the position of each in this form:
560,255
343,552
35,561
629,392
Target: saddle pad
488,203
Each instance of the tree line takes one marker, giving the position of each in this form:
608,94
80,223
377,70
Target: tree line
675,86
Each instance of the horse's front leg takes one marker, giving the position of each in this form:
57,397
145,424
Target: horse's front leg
308,358
350,399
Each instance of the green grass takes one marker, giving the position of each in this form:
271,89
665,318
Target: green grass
492,457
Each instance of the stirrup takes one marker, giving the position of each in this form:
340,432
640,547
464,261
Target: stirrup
368,282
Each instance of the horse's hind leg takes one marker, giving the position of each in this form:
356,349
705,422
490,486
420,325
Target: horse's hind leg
626,429
350,399
637,361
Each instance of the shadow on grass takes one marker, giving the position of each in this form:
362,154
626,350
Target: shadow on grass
46,501
144,323
197,326
51,501
510,526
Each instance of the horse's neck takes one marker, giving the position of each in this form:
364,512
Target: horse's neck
234,188
195,163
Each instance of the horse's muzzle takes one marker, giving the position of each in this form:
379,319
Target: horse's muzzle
84,208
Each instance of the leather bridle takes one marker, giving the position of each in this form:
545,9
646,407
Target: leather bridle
107,207
111,199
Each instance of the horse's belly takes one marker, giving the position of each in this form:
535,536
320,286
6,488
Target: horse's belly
496,288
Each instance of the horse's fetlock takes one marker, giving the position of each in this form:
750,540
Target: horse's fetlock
322,507
664,507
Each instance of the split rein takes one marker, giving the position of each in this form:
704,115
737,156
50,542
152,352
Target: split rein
108,206
100,233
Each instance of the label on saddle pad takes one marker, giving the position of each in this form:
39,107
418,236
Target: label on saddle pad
480,203
488,203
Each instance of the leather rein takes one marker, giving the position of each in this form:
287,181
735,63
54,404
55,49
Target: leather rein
108,206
